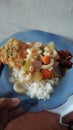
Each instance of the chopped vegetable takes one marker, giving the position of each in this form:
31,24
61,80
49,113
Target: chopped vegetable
46,74
37,76
24,62
46,59
26,65
34,51
9,52
51,44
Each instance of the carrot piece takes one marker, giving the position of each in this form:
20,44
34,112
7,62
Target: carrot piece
46,59
46,74
34,50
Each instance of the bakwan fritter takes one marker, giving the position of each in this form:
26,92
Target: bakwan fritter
13,53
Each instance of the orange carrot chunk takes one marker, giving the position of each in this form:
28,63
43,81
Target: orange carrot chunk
46,74
34,51
46,59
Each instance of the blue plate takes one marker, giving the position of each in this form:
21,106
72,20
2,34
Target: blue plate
65,87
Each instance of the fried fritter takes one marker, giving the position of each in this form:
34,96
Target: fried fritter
13,53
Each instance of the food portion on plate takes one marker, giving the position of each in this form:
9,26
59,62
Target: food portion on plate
35,68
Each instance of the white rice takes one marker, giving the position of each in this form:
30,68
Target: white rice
40,90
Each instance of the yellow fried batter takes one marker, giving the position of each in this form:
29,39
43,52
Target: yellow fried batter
13,53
